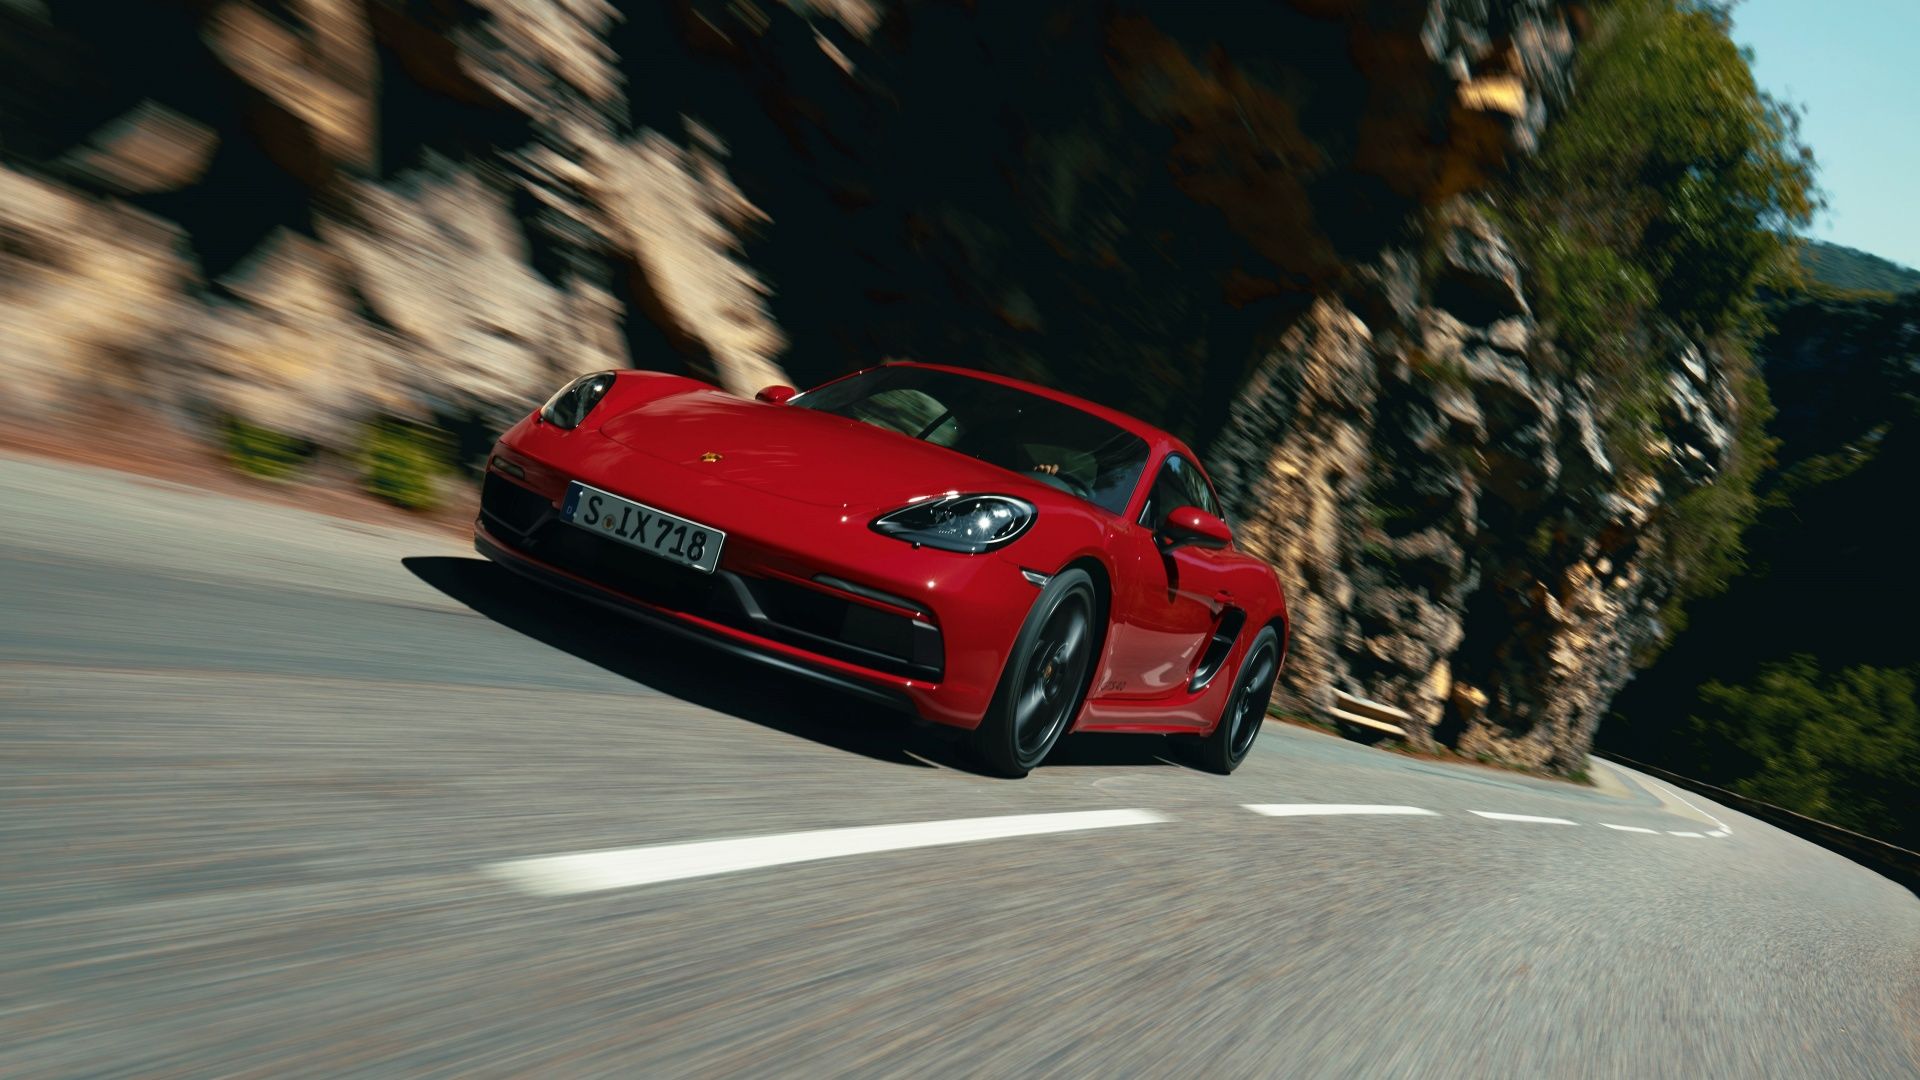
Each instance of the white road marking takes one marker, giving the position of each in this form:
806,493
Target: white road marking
1722,831
1317,809
1695,809
1630,828
1695,835
593,871
1522,817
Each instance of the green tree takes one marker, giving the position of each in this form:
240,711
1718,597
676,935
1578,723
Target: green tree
1843,748
1672,184
1660,205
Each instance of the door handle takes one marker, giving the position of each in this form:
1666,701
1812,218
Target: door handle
1222,597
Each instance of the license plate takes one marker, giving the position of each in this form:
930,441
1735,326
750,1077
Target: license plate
655,532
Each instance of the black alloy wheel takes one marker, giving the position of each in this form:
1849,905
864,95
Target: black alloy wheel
1246,710
1045,679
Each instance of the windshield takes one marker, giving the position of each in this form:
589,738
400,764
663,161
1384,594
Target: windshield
1056,444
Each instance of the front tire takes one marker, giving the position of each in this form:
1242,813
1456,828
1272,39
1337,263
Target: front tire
1045,679
1232,738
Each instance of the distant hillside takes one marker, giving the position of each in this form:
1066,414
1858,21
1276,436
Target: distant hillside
1856,271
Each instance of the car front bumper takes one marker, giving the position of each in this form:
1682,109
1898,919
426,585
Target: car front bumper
716,636
829,598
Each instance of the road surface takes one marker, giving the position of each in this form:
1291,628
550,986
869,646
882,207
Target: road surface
282,794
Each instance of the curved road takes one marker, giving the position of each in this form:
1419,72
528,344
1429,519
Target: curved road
279,792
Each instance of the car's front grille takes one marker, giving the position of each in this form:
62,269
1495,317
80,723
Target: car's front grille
510,506
618,566
799,615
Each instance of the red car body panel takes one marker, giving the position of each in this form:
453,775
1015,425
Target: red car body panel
795,491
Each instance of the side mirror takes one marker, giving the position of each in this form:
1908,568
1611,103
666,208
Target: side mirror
777,394
1192,525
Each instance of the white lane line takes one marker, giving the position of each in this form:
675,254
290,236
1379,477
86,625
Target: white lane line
1663,787
1630,828
1695,835
592,871
1317,809
1522,817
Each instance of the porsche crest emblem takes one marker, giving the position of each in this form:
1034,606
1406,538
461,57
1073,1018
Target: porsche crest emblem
710,457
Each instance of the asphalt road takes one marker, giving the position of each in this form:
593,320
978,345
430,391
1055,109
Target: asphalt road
270,784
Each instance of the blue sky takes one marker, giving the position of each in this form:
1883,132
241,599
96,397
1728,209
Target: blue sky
1854,66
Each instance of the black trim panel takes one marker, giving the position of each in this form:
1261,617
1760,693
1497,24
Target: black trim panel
511,507
1215,656
814,618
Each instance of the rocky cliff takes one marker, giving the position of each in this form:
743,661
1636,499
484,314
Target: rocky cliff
1460,545
1254,224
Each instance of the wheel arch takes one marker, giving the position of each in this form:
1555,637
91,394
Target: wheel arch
1283,629
1097,570
1102,576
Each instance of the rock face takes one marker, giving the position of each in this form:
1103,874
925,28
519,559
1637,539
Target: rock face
1458,542
496,193
88,288
311,213
458,215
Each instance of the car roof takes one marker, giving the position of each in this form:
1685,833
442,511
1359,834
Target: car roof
1154,436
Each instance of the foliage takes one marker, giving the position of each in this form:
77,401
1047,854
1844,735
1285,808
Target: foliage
1377,552
1846,270
1843,747
1660,206
1803,668
1707,526
402,463
1391,518
1813,472
1673,182
263,451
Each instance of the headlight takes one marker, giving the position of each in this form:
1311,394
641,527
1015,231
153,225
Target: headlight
969,523
575,400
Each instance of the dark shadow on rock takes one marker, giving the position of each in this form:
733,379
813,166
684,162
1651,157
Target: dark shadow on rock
687,670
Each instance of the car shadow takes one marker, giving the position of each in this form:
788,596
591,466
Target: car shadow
1105,749
727,684
686,670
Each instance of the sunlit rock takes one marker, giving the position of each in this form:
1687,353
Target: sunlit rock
91,291
441,259
315,80
676,214
150,149
288,354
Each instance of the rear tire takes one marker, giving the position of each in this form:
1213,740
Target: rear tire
1232,738
1045,678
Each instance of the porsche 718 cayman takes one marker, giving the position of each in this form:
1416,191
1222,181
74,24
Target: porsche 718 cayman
985,553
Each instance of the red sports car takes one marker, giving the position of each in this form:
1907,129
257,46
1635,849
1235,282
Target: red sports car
986,553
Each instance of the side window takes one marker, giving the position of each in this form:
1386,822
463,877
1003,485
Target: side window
1178,484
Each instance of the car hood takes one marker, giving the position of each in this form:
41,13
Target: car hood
804,455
